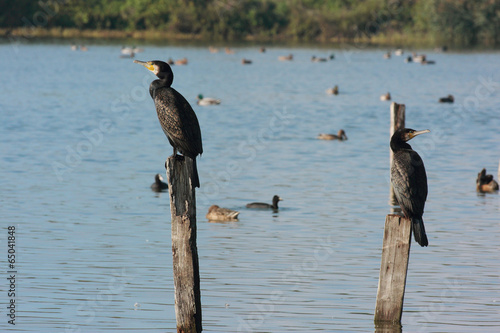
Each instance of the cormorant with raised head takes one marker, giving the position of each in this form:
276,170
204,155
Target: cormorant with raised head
177,118
409,181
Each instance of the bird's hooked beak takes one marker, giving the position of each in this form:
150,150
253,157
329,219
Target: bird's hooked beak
414,134
146,64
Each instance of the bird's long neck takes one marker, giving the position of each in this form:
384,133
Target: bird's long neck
164,81
398,144
275,203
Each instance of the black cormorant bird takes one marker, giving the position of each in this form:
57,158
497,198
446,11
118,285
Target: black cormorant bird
262,205
177,118
159,185
409,181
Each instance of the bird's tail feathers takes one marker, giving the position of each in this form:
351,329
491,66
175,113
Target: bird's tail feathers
196,179
234,215
419,231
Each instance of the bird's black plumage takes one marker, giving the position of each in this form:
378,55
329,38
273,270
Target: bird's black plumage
159,185
409,181
176,116
263,205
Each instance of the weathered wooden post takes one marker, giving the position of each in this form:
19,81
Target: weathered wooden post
184,249
397,122
393,269
395,249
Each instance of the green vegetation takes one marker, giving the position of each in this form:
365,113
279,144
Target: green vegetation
452,22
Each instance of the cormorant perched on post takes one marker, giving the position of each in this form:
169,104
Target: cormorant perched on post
177,118
409,181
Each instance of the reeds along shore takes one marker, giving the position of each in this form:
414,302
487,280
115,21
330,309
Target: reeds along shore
394,39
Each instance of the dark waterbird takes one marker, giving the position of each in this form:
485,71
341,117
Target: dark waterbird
176,116
159,185
262,205
409,181
447,99
486,183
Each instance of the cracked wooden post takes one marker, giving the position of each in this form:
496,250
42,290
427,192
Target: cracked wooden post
393,269
397,122
395,248
184,249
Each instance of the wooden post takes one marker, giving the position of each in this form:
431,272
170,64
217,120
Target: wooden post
397,122
393,269
184,250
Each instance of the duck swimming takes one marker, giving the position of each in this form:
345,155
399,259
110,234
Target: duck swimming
216,213
333,91
485,183
448,99
385,97
262,205
159,185
182,61
286,58
316,59
204,101
419,57
341,136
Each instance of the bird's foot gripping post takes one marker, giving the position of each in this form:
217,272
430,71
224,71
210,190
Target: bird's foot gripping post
393,269
184,249
179,157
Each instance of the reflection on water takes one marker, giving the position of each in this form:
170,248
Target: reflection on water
81,144
388,328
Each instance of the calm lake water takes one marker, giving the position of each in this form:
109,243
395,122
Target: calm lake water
81,144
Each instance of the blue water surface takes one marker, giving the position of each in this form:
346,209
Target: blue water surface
81,143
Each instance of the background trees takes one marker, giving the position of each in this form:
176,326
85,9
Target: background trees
459,22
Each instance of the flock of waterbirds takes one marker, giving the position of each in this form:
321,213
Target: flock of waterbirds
411,204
